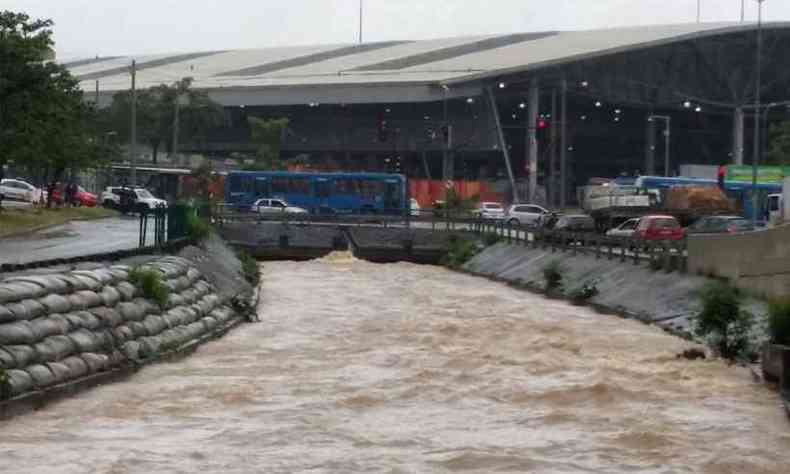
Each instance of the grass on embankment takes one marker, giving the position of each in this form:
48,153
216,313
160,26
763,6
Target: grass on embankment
16,221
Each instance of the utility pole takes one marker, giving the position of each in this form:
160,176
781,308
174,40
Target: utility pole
757,90
175,127
133,141
668,120
360,21
96,96
699,10
743,11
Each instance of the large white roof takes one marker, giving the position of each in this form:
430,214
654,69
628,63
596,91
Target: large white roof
410,70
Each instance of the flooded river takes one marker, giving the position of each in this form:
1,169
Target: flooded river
358,367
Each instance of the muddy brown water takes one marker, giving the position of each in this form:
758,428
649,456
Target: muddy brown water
399,368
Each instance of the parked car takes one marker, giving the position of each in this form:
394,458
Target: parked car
83,197
133,199
19,190
659,227
576,223
626,229
720,225
526,214
414,207
491,210
275,206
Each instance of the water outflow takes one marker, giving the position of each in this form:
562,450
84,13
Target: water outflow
359,367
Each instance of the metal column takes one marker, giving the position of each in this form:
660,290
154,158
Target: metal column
737,136
533,107
650,146
563,141
502,143
550,178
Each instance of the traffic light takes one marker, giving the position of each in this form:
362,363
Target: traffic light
381,128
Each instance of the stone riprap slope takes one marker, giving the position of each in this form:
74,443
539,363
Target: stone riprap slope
61,327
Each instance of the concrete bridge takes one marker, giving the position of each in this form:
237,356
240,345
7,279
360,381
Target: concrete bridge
385,241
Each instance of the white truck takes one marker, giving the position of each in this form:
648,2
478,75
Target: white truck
778,212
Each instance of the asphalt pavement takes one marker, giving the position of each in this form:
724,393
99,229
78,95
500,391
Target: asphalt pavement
74,239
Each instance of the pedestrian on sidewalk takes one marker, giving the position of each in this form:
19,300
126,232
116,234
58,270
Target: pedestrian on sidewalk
50,194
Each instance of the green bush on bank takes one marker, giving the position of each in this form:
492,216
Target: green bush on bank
552,275
723,322
197,228
150,283
249,267
583,293
779,322
458,251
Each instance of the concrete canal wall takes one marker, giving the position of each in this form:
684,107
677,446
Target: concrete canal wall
64,329
634,290
754,261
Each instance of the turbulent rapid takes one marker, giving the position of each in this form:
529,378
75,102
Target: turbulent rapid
358,367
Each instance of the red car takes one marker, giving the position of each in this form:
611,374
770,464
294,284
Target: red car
659,228
84,198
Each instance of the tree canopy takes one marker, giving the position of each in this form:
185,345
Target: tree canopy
156,108
779,148
45,126
268,134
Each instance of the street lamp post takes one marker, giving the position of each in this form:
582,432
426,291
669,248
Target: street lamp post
757,108
668,120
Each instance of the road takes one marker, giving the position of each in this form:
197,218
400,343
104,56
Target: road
74,239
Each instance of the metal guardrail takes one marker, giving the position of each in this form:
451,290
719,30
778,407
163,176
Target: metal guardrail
660,254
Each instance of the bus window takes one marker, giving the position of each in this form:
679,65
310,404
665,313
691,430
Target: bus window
391,196
261,187
280,185
299,186
347,187
247,184
322,189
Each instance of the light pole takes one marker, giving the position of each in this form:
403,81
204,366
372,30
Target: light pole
757,107
668,120
699,10
360,21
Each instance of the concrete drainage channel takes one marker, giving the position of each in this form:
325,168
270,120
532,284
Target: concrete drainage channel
67,331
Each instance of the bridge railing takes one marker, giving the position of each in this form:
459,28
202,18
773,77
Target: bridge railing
660,254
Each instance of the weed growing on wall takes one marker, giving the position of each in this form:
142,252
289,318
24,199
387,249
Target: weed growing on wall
150,283
552,275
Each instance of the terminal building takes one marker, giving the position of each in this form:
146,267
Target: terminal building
540,112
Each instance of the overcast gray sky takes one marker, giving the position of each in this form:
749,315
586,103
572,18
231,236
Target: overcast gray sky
110,27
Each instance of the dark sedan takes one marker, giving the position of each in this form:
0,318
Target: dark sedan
720,225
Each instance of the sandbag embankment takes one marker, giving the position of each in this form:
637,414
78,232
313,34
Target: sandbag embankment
60,327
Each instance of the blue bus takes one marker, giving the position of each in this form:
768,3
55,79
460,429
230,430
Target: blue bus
739,191
321,193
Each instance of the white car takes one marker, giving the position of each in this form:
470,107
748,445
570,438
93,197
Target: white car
626,229
275,206
491,210
110,197
18,190
145,198
526,214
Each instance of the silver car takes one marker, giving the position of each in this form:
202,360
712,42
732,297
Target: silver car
526,214
491,210
626,229
18,190
275,206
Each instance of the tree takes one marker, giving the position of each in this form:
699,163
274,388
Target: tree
779,148
723,321
44,124
268,134
156,114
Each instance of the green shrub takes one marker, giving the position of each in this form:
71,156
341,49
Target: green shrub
249,267
723,322
779,321
150,283
197,228
491,238
458,252
552,274
584,293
